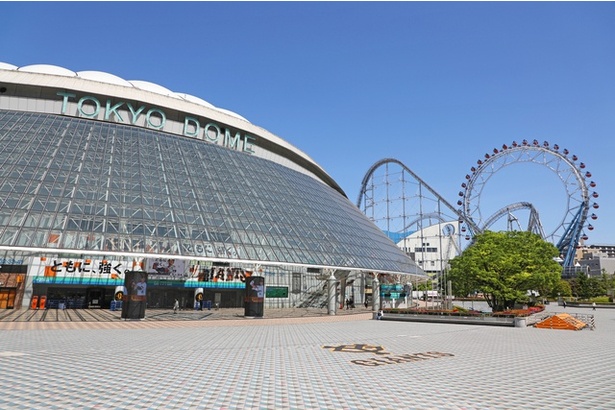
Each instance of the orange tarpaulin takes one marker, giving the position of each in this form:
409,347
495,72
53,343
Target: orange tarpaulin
561,321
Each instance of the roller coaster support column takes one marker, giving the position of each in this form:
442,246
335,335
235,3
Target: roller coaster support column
332,294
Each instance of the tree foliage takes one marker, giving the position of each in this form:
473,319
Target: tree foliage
504,266
587,287
562,289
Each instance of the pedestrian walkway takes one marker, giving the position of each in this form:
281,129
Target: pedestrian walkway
72,318
346,361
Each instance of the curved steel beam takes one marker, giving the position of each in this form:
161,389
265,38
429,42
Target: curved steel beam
430,215
534,224
573,228
472,226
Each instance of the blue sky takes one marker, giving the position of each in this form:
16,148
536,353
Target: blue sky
435,85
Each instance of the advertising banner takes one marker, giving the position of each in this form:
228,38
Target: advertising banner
83,268
160,268
134,303
255,296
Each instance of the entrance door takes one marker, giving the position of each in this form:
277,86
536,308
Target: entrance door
95,298
7,298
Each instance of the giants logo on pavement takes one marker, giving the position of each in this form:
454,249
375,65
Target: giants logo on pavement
384,357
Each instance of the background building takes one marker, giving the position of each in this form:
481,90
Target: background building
596,259
99,176
433,247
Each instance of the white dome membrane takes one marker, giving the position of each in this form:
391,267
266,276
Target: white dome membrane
48,69
154,88
6,66
231,113
193,99
104,77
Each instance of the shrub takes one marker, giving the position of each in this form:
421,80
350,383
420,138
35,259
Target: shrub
520,312
457,311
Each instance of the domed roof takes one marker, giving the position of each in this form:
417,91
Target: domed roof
231,113
5,66
47,69
154,88
99,83
104,77
195,100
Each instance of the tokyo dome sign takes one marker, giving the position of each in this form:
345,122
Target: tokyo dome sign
153,118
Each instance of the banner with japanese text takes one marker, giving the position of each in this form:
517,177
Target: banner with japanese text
85,268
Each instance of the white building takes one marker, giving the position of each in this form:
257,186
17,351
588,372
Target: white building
433,247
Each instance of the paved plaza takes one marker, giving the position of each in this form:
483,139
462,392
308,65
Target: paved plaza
299,361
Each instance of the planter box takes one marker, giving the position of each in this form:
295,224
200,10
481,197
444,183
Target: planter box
483,320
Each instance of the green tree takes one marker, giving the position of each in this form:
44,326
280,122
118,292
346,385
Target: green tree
608,282
562,288
605,283
596,287
504,266
583,287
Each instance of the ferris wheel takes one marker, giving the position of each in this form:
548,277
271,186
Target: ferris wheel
567,231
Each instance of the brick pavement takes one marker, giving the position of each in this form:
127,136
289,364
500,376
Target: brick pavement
316,362
98,318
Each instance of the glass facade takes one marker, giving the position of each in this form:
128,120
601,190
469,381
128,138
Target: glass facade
70,184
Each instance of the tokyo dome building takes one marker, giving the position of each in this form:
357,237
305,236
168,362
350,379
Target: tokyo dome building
100,176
